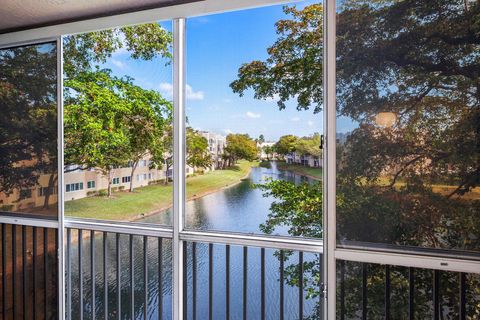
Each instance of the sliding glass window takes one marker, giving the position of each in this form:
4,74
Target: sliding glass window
118,115
254,121
29,181
408,143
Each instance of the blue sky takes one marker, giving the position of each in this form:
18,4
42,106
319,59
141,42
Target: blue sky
217,45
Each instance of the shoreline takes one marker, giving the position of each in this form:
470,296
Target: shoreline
292,169
194,197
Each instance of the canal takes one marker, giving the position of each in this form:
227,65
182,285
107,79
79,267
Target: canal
239,208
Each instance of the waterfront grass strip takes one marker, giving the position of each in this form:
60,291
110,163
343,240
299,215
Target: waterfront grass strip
145,200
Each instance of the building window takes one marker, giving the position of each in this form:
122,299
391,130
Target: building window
74,187
116,181
126,179
42,192
141,177
91,184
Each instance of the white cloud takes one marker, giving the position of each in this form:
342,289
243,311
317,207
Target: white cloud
119,64
253,115
193,95
228,131
167,89
227,100
310,123
295,119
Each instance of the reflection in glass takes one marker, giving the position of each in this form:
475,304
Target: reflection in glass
118,123
408,126
28,130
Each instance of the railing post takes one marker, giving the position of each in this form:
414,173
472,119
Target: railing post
178,163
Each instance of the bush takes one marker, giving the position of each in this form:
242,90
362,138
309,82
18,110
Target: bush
102,193
121,188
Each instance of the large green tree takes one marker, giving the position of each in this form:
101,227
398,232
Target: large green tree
198,153
240,146
416,63
286,144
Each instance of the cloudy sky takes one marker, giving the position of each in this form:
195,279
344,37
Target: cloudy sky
217,45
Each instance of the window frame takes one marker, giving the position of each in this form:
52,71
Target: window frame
177,232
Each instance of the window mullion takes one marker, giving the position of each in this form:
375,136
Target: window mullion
179,154
329,186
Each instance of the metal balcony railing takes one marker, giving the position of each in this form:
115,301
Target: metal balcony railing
28,272
120,272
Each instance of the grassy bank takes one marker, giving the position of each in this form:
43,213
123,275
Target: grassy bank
145,200
314,173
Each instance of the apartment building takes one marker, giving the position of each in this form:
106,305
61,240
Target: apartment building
216,145
306,160
80,183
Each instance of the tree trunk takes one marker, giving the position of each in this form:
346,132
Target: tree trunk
51,182
167,167
134,167
109,189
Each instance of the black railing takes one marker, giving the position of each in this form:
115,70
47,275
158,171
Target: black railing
115,275
424,293
29,267
260,274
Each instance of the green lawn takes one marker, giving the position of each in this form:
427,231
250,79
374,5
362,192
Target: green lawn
315,173
127,206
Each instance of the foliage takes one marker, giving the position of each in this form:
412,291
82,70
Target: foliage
309,146
286,144
28,129
240,146
297,207
109,121
144,41
294,66
418,61
198,153
269,151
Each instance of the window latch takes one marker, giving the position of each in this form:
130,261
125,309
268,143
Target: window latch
322,141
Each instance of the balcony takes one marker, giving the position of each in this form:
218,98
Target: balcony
249,159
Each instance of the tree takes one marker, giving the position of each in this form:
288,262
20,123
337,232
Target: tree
269,150
146,122
418,61
286,144
240,146
260,139
96,130
198,154
28,134
137,129
309,146
144,41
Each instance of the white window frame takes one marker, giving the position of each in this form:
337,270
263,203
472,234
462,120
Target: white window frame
178,233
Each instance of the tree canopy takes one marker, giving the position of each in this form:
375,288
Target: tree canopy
28,129
240,146
198,153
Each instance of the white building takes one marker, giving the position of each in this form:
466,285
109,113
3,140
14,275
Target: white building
216,145
306,160
263,154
